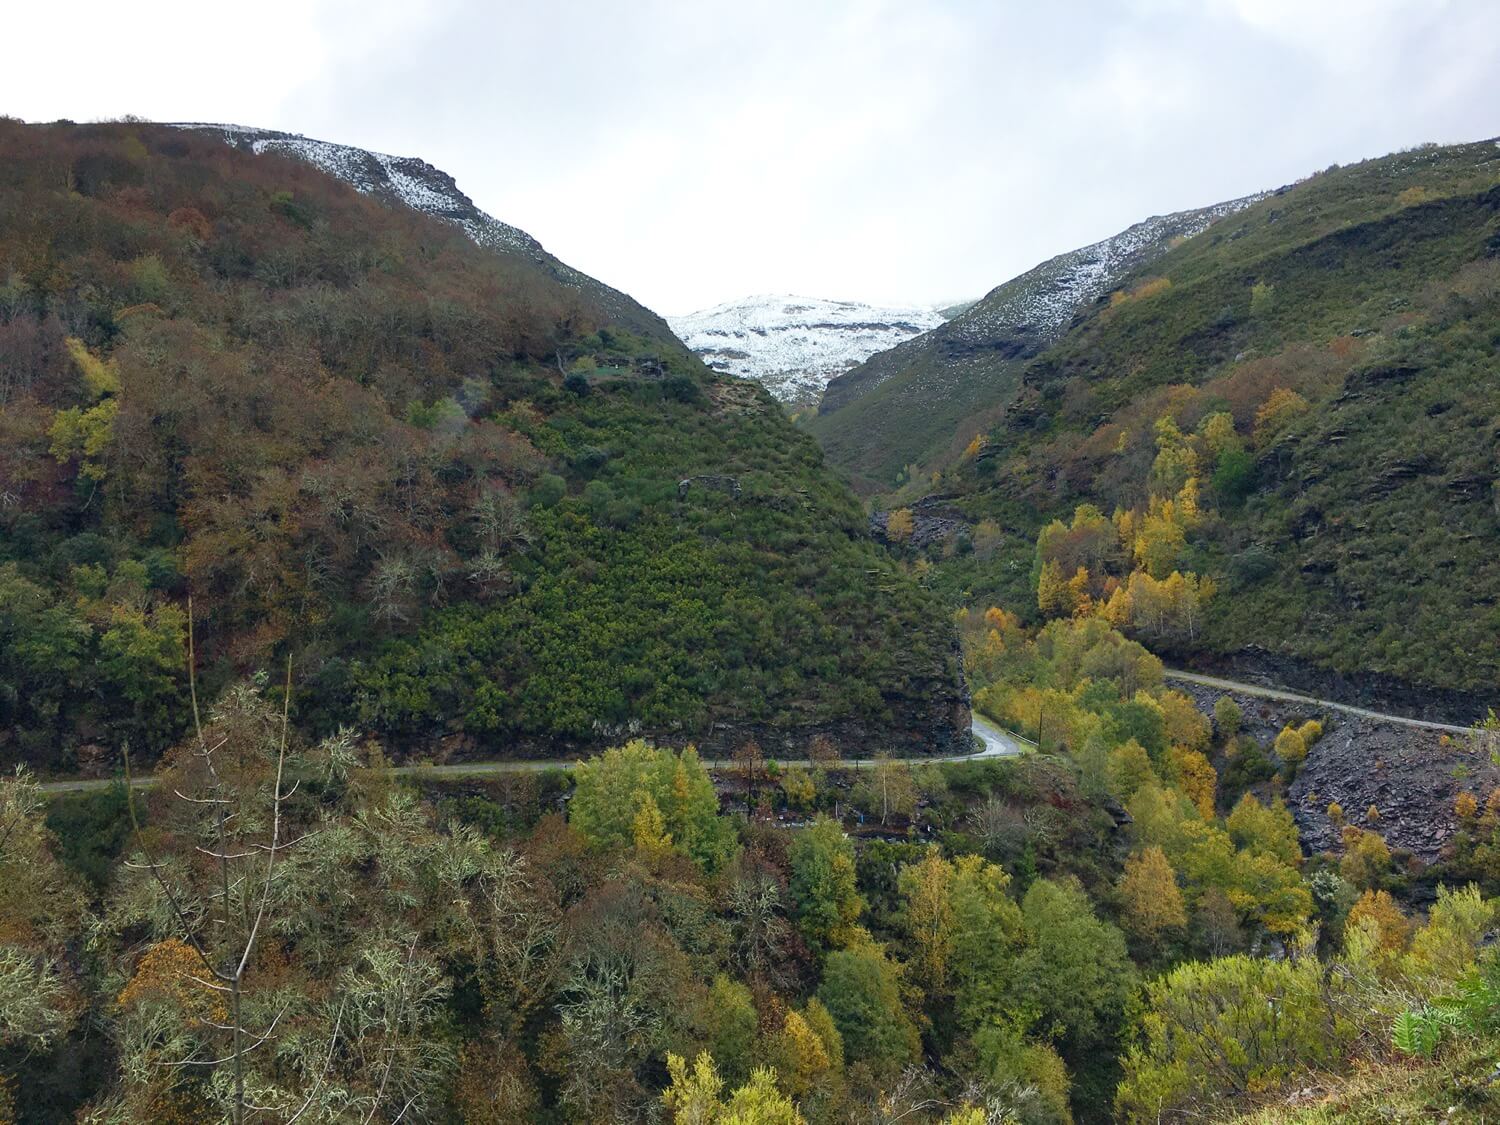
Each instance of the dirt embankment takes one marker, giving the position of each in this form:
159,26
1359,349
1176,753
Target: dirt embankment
1410,776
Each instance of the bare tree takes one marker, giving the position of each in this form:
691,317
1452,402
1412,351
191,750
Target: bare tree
243,855
751,765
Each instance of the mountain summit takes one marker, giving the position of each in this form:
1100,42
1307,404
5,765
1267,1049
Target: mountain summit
795,345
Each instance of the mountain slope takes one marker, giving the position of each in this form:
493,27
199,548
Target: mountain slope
1322,365
342,427
412,182
905,405
795,345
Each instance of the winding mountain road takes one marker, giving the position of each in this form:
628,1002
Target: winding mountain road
998,743
1297,697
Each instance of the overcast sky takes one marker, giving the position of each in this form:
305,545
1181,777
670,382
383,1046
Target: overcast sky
691,151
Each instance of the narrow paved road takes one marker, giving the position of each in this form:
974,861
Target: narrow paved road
998,743
1298,697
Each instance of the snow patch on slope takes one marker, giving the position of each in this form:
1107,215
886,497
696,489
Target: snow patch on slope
412,182
1026,313
1047,297
397,179
795,345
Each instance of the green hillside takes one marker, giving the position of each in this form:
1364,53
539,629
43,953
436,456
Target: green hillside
478,514
1325,365
923,400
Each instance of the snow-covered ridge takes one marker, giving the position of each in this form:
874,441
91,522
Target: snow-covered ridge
396,179
411,182
1047,297
1026,313
795,345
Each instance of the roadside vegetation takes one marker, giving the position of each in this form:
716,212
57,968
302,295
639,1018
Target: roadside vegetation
1089,932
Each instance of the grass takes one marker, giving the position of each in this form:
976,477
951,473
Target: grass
1456,1086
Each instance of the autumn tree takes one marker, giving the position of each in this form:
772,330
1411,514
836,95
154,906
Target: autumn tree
85,433
1088,543
1176,460
1268,830
1160,538
1165,608
1366,860
1218,434
695,1097
822,752
1280,409
1291,746
1129,768
1183,724
1465,806
1196,778
888,788
800,788
806,1057
927,918
899,525
1377,910
1153,901
610,791
1053,597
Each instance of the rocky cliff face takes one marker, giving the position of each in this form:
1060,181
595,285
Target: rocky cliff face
970,364
795,345
411,182
1410,776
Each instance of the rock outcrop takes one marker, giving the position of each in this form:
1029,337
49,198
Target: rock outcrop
1410,776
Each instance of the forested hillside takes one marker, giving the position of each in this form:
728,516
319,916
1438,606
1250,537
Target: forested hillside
1121,927
1297,406
478,515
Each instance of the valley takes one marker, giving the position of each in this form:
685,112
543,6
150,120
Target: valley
436,687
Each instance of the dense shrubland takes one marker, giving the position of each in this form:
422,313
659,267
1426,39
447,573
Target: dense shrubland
444,482
1101,929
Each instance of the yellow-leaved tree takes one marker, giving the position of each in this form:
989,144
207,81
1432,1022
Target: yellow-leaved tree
694,1097
1153,901
927,918
899,525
